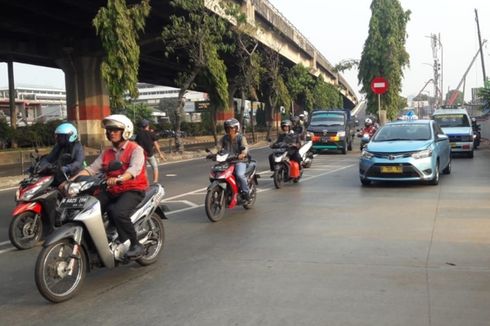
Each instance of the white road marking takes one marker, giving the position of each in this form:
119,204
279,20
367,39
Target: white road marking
4,243
7,250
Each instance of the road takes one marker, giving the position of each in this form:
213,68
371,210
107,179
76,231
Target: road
325,251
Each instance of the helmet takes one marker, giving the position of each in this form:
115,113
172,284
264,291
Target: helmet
67,129
368,122
301,116
285,123
119,121
295,120
144,123
232,123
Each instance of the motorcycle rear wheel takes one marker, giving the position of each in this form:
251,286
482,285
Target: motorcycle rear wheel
51,274
25,231
155,241
278,178
215,204
253,196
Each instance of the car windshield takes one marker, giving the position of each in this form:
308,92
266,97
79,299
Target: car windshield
452,120
327,119
409,132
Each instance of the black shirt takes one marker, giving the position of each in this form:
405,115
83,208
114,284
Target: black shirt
146,139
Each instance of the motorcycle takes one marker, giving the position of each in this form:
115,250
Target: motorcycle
284,168
365,138
37,198
87,238
223,191
476,133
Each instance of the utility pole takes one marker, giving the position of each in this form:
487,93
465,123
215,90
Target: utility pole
481,51
436,43
442,71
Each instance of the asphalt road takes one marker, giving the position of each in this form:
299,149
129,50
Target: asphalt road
325,251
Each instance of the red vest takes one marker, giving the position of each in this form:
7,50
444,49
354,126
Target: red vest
139,182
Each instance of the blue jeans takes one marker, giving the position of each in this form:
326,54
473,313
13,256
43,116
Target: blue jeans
240,169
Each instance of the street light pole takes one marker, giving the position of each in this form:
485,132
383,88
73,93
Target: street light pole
442,70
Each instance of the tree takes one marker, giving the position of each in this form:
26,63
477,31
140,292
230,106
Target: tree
384,54
194,36
118,26
484,93
326,95
300,84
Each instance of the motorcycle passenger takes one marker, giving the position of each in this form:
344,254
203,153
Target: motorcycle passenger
298,128
66,143
234,143
289,137
125,187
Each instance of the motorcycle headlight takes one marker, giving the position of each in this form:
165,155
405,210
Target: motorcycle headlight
73,189
422,154
340,133
367,155
30,193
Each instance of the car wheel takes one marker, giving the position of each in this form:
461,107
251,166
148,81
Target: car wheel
447,170
344,147
470,154
365,182
435,179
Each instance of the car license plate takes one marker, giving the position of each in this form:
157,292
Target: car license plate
391,169
454,145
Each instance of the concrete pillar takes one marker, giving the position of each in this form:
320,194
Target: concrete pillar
249,10
87,99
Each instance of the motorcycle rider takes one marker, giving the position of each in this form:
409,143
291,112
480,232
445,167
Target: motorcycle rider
66,143
125,187
289,137
235,143
369,128
298,128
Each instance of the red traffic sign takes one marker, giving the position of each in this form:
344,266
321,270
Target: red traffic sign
379,85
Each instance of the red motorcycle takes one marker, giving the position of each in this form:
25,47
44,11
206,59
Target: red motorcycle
285,169
223,192
37,199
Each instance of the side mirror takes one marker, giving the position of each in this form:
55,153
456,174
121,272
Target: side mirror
269,140
365,138
442,137
114,166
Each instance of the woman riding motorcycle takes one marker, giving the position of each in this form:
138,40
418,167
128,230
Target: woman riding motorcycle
290,138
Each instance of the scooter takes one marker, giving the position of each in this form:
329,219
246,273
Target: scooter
33,216
284,168
87,238
365,138
223,191
306,154
476,133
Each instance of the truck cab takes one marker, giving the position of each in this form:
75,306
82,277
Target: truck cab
456,124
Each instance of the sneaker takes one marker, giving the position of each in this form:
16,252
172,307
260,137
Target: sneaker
245,196
135,250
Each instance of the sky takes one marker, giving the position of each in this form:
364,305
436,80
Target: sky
338,29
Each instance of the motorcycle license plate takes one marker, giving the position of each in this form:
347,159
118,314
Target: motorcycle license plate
391,169
77,202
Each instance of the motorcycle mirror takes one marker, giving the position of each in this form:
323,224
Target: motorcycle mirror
207,150
114,165
365,138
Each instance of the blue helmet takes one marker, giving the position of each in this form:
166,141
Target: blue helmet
68,129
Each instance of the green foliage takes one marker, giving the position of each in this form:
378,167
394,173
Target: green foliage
346,65
118,26
300,84
484,93
384,54
326,95
136,112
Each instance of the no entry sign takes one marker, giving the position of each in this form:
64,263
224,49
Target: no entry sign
379,85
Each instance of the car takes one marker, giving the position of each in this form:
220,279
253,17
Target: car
331,130
416,150
456,123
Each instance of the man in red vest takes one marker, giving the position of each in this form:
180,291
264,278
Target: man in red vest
125,187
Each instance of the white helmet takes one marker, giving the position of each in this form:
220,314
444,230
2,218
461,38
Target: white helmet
119,121
368,122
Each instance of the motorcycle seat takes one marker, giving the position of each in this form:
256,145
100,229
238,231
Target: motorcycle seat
148,194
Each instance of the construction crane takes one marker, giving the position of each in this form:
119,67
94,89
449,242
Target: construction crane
454,95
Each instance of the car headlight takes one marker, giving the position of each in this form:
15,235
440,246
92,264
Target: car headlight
367,155
340,133
422,154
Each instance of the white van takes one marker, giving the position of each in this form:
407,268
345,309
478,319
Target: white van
456,123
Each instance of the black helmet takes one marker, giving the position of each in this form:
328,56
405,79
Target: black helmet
232,123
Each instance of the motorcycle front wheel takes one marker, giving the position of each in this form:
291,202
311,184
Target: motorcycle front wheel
215,203
278,178
52,274
25,230
154,244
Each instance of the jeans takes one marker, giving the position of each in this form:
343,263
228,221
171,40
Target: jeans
240,169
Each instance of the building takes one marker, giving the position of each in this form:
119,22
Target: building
34,104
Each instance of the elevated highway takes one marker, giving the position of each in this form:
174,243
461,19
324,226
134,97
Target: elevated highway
60,34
